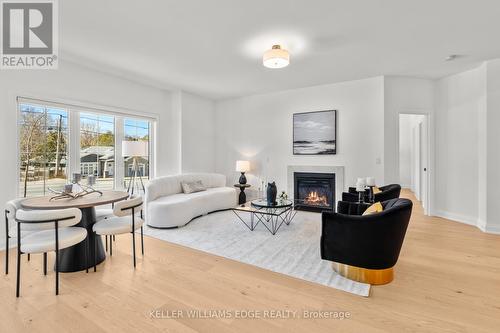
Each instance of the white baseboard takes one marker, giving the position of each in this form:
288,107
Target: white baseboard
469,220
490,229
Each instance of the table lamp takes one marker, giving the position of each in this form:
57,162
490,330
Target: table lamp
370,182
242,166
134,149
360,188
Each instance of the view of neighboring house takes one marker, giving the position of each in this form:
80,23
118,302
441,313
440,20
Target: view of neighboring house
97,161
100,161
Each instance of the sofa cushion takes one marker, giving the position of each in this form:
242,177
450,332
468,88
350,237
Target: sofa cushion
374,208
192,187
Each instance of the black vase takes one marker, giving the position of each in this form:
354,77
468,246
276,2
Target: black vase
272,192
243,179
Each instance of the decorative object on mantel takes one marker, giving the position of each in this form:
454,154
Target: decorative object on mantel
75,189
242,166
283,196
370,182
315,133
272,192
360,188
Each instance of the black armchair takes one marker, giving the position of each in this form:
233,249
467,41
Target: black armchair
365,248
389,192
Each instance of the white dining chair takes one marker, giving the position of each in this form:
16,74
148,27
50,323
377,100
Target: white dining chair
51,230
125,220
103,214
11,208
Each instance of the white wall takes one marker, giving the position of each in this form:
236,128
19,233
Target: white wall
405,128
198,134
460,100
259,128
492,157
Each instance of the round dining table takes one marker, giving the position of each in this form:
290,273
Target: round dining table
80,256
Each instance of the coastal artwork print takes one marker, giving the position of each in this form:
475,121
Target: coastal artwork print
314,133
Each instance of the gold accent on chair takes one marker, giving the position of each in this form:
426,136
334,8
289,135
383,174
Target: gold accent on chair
365,275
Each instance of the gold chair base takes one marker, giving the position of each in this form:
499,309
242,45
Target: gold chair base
365,275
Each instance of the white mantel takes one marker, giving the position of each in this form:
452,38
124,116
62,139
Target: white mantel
337,170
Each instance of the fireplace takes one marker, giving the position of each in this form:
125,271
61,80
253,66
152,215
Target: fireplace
314,191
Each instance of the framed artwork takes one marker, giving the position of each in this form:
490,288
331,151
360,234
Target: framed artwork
315,133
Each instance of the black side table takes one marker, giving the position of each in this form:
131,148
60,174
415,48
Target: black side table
243,197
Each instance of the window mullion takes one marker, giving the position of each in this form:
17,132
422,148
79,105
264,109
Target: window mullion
119,162
74,143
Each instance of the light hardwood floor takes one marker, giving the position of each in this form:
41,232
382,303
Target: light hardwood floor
447,279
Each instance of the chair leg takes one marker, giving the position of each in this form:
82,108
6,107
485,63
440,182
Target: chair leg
133,245
45,263
106,243
6,243
29,257
87,256
6,255
57,257
18,276
95,252
114,238
142,241
110,246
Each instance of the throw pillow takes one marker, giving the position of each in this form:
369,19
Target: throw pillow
375,208
376,190
194,186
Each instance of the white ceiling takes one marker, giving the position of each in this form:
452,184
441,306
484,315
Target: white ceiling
214,47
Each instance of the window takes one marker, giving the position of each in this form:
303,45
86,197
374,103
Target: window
97,149
43,144
49,152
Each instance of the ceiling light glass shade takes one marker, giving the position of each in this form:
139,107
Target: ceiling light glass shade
276,57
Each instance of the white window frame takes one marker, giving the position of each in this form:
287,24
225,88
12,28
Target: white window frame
73,109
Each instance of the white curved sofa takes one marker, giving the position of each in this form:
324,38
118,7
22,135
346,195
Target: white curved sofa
167,206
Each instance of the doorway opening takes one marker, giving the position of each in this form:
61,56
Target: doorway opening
414,156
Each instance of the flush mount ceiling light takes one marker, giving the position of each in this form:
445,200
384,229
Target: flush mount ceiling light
276,57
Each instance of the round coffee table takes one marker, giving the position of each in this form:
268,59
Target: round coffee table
72,259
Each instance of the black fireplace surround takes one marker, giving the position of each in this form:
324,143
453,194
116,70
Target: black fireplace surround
314,191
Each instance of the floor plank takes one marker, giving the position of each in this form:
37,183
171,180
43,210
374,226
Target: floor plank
447,280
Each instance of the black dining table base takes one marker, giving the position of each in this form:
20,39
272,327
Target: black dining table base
79,257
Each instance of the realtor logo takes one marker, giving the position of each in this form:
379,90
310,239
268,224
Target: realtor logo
29,34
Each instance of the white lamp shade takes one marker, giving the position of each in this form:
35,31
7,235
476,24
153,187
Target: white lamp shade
242,166
370,181
134,148
361,182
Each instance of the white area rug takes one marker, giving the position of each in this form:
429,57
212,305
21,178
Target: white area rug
294,250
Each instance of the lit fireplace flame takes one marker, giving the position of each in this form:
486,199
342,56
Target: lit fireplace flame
314,199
